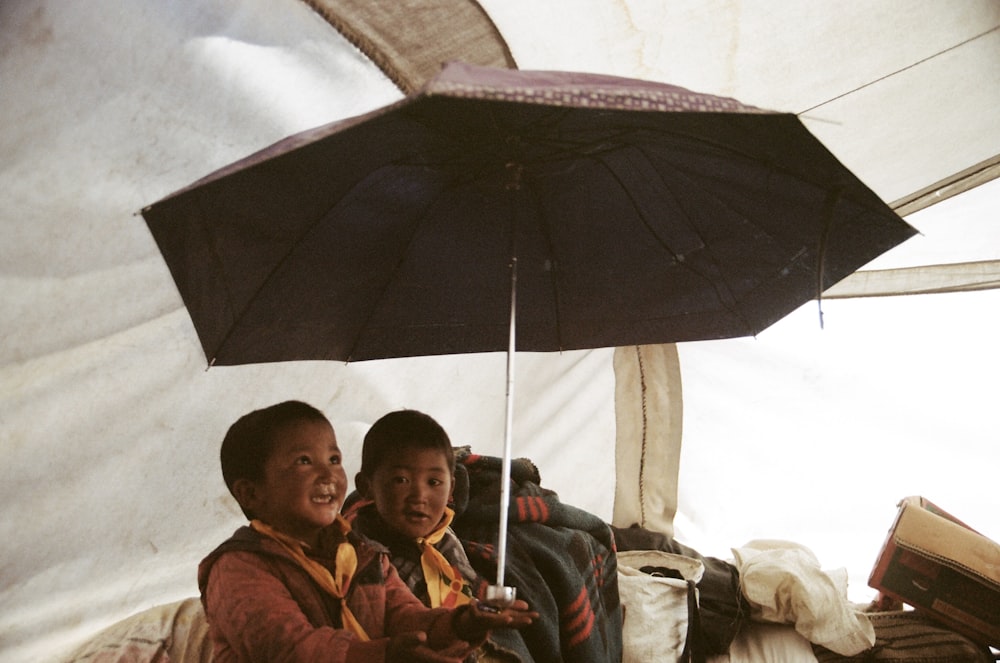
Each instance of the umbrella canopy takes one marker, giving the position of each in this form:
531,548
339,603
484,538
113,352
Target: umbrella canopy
635,212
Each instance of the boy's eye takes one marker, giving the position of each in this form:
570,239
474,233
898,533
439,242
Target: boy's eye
400,480
435,482
303,460
335,460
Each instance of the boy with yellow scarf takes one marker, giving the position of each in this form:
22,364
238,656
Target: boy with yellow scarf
406,482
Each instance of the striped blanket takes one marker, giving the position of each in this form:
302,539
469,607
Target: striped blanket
560,558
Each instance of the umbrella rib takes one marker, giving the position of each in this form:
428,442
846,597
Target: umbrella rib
217,259
391,276
828,207
550,250
294,245
832,194
724,301
691,183
238,318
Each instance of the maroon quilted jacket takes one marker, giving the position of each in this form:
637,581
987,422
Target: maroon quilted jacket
262,606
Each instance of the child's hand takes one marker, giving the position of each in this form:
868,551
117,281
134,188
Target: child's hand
412,646
477,620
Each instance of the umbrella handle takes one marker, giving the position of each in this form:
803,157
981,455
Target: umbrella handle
498,597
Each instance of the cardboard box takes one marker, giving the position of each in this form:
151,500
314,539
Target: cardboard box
943,568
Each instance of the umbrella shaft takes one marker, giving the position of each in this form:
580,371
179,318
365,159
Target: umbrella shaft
508,432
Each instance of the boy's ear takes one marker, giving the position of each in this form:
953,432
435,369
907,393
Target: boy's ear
363,485
245,492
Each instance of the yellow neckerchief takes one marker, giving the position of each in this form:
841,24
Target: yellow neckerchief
444,580
335,585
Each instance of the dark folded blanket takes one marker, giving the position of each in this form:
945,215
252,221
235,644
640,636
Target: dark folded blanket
560,558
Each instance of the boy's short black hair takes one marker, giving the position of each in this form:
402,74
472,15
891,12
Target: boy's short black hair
403,429
250,440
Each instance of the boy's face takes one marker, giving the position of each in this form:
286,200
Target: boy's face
304,483
411,491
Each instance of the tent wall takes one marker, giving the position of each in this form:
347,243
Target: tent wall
109,421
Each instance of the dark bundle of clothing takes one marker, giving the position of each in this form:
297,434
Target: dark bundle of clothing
722,608
560,559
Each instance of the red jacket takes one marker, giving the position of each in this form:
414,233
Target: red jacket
262,606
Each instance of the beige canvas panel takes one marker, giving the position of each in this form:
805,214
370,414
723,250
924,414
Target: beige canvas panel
927,279
648,415
410,40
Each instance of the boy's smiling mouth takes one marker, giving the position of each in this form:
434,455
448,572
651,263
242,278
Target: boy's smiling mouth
324,496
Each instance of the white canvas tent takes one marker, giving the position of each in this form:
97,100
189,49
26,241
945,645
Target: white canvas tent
110,424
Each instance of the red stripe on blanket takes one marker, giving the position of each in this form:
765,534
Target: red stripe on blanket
532,510
578,619
483,550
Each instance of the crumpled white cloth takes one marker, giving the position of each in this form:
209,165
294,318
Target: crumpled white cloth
784,584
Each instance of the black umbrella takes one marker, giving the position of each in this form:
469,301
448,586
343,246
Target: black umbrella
599,211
